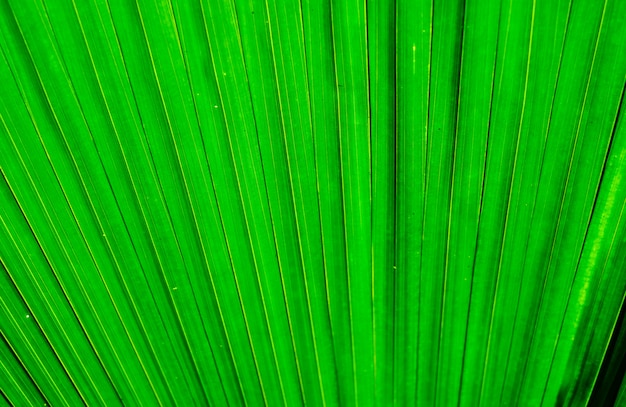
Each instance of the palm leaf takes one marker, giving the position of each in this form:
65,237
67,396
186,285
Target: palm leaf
324,203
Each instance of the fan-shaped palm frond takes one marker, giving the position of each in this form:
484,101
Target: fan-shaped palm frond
289,202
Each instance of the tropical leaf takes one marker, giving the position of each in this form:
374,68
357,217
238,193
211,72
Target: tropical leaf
228,202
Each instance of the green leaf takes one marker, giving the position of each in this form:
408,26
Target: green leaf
327,203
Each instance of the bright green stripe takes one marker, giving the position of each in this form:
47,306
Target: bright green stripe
413,48
446,60
318,37
349,21
447,19
381,53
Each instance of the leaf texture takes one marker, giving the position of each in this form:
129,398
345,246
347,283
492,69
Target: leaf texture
317,203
